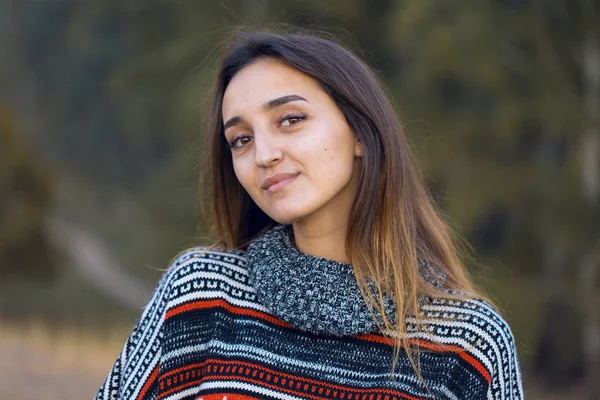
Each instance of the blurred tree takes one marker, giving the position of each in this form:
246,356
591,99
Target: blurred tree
25,195
505,83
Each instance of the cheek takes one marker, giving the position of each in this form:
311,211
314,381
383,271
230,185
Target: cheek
329,167
245,175
331,153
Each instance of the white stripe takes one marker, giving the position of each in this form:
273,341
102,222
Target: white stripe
146,375
183,394
448,393
513,362
444,340
123,361
459,342
256,389
259,390
212,275
477,313
277,361
241,258
201,257
158,295
216,294
487,319
491,315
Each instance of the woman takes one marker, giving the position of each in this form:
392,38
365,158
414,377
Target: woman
333,276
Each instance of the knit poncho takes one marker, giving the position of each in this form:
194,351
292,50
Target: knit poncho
275,323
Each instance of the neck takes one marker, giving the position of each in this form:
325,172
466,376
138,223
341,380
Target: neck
323,232
325,239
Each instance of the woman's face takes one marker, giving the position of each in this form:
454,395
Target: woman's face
280,121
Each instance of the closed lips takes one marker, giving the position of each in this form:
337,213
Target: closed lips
273,179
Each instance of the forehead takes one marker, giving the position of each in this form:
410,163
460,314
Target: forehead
264,80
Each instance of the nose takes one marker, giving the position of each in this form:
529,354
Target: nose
266,150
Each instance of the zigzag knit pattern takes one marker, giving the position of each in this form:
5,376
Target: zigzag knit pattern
205,336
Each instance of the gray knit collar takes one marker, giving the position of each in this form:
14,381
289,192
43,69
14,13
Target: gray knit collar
311,293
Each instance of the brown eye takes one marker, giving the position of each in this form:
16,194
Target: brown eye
288,120
236,139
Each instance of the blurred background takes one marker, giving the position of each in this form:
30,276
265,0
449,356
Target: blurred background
100,122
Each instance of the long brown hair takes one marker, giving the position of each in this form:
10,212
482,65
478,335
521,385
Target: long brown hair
393,219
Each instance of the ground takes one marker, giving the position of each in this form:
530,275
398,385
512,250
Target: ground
36,363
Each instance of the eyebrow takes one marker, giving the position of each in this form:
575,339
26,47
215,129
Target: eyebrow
269,105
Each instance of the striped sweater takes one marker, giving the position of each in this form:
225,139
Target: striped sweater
205,335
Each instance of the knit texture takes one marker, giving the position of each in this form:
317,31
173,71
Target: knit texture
208,333
311,293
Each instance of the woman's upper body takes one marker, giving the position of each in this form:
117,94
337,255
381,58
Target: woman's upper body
335,266
276,323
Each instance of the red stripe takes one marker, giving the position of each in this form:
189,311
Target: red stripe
151,379
203,304
327,392
325,386
462,353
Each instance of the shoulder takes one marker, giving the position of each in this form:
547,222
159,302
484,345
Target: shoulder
474,314
218,260
478,330
204,263
200,274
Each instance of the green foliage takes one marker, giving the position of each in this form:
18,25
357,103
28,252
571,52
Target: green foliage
504,113
25,195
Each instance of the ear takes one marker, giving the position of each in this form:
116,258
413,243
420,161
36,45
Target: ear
358,149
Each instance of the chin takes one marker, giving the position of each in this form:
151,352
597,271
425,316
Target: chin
283,215
284,219
289,216
291,208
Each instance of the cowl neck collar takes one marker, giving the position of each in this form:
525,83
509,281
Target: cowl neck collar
311,293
